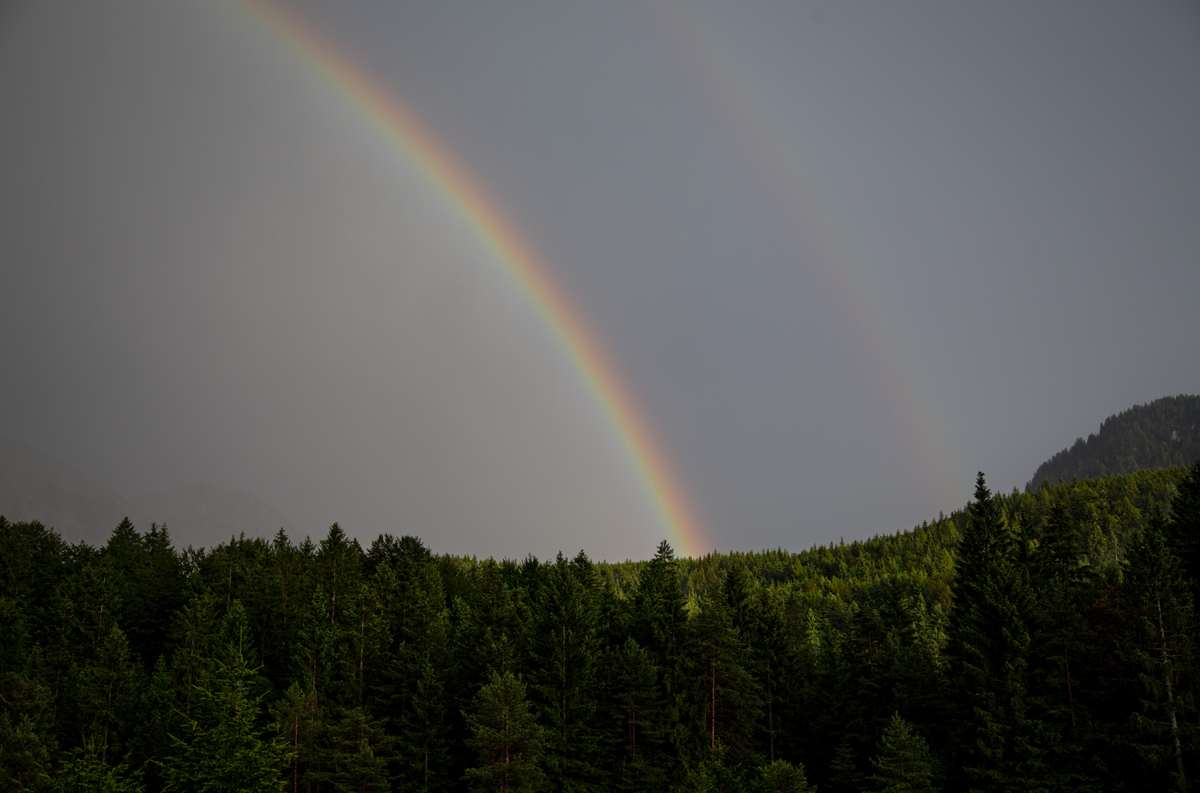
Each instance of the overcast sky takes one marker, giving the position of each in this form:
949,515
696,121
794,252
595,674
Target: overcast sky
844,255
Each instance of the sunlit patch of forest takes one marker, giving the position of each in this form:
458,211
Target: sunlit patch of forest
1031,641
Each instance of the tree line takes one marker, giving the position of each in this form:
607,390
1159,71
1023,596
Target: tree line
1159,434
1035,641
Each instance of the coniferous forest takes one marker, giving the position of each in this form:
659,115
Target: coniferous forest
1159,434
1037,641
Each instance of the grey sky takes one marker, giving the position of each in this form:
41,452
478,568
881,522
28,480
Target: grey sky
215,269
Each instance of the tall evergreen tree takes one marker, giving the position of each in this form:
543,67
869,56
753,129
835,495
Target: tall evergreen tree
1183,531
84,771
1060,641
660,625
729,697
637,730
780,776
1160,643
566,652
108,689
990,634
505,737
221,745
903,764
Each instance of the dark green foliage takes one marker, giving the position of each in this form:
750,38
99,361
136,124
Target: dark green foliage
1160,646
904,764
1183,531
783,777
999,739
221,745
1021,639
505,738
637,727
566,647
83,771
1160,434
728,696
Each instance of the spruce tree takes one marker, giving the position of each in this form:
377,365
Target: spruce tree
781,776
1061,644
1183,531
221,745
637,731
83,771
660,624
108,690
904,764
729,698
991,644
300,727
357,761
566,652
505,738
1160,643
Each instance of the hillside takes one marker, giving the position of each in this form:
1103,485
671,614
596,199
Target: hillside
37,486
1160,434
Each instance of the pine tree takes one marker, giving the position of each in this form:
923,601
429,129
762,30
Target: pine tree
26,747
903,764
193,631
411,688
505,737
712,773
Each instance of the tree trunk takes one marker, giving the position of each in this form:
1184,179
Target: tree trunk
1162,635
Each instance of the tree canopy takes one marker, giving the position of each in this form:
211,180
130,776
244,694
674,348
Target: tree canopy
1030,641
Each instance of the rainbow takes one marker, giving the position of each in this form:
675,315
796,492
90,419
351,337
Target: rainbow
498,234
778,162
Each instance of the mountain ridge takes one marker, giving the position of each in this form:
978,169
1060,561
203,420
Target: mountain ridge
1162,433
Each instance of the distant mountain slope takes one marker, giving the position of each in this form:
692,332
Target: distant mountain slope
203,515
37,486
1161,434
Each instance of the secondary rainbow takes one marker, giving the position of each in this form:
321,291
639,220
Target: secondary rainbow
518,258
773,153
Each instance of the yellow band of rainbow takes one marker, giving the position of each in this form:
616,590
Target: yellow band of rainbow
501,238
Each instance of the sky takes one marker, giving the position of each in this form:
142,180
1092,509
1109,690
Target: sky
805,268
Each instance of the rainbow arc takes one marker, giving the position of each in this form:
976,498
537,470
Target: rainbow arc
402,126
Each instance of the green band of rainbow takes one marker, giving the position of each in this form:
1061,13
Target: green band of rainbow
500,237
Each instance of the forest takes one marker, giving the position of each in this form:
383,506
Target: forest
1158,434
1036,641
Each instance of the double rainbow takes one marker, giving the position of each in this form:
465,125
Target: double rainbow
829,253
499,235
